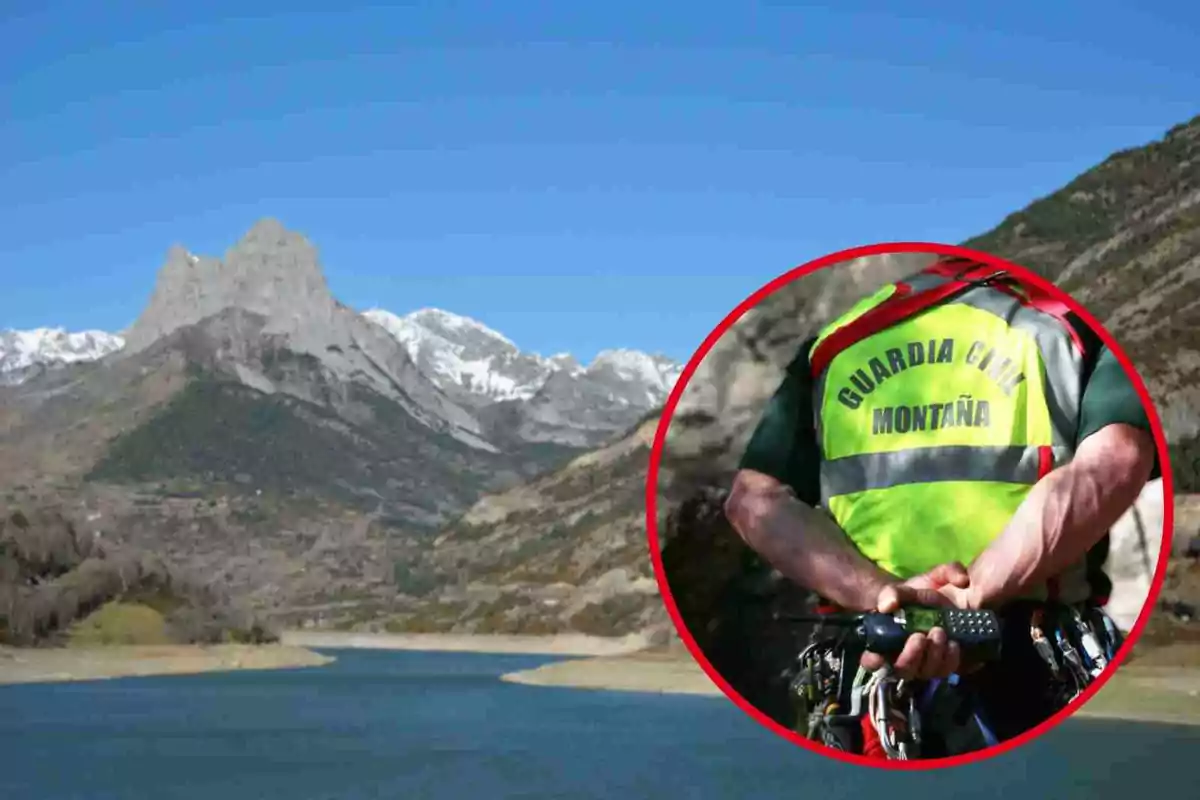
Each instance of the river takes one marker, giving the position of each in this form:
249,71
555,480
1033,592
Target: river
381,724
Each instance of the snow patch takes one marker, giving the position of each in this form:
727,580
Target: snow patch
54,347
462,353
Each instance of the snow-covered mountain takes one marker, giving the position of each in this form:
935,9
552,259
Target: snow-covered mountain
464,357
656,373
535,397
476,364
21,351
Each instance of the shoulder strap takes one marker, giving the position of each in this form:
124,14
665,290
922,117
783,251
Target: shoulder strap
962,275
903,304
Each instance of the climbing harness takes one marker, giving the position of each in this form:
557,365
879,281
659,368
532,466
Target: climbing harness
832,712
846,707
892,711
1082,642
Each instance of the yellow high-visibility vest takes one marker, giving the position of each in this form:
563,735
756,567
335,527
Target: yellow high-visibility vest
935,422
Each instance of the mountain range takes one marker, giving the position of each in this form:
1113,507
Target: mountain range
421,472
274,273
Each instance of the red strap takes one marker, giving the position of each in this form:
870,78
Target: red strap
957,267
904,304
1045,461
872,747
1045,466
1030,295
897,308
1039,300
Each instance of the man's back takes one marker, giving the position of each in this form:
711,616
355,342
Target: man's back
795,441
853,502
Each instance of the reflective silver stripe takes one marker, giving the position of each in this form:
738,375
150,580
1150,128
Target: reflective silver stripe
924,281
818,410
860,473
1062,361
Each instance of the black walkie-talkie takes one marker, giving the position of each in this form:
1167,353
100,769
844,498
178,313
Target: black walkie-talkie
978,633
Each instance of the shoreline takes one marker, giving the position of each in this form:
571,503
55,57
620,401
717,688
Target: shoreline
75,664
1151,693
621,674
579,645
1156,694
295,650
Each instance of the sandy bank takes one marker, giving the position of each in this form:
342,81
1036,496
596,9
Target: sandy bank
632,673
1169,695
569,644
99,663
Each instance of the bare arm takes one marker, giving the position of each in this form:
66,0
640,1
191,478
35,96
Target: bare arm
803,544
1067,513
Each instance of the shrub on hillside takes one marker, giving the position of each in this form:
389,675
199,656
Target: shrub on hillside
51,579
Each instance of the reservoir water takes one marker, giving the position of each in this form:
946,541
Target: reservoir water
441,725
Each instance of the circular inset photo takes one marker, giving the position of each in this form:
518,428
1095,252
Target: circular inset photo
910,506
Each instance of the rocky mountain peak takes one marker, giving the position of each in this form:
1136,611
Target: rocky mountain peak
271,271
275,275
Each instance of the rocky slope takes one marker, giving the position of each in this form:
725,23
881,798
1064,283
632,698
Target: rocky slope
565,552
1124,238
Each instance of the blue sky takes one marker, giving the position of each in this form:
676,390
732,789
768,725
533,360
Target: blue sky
577,175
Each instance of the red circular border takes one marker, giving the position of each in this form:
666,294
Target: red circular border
652,503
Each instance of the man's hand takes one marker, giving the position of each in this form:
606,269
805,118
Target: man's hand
924,657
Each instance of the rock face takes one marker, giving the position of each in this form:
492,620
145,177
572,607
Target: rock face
1135,544
1124,239
524,396
274,274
